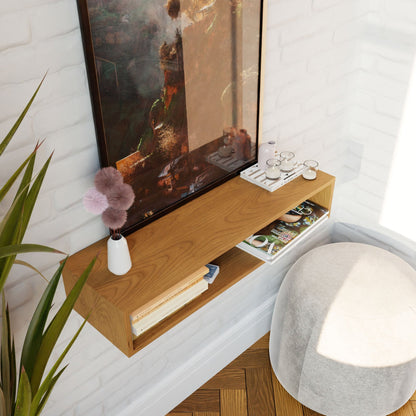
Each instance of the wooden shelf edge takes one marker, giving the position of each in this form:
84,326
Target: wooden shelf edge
111,318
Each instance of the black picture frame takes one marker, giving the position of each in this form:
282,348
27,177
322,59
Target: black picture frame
175,88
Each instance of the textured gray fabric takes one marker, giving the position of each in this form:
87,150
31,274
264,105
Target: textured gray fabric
343,335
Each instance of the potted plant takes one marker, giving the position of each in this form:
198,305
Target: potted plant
25,392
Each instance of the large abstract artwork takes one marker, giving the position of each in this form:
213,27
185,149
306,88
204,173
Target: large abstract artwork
175,87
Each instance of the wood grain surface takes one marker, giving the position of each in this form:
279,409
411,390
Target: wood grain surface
262,394
167,251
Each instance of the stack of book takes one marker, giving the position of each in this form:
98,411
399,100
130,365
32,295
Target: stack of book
153,312
269,243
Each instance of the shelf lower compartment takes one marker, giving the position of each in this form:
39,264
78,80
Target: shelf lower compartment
234,266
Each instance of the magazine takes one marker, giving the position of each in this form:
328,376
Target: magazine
270,242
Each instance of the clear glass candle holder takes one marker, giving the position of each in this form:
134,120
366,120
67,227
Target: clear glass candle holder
311,169
272,169
287,161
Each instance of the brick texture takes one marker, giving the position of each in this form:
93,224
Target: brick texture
336,77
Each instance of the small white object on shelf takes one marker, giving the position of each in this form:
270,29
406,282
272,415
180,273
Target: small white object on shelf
311,169
118,255
287,161
309,175
267,150
257,176
272,169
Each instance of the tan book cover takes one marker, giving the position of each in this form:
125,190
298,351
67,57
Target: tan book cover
159,300
172,299
167,308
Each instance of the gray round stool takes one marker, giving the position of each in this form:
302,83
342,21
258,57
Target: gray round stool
343,335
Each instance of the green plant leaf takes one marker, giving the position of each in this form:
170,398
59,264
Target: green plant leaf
12,231
8,361
5,355
47,385
10,221
14,223
55,328
11,225
12,179
32,197
8,251
27,178
16,125
48,393
37,324
13,376
24,396
29,266
7,216
2,404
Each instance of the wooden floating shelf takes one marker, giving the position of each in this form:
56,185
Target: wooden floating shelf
169,249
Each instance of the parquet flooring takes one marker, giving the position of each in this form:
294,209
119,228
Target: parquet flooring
248,387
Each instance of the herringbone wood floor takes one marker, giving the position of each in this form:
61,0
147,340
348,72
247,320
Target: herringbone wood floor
248,387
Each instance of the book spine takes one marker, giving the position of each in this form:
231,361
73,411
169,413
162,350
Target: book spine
166,300
145,309
151,319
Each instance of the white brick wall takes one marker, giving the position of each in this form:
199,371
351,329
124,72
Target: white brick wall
376,115
333,76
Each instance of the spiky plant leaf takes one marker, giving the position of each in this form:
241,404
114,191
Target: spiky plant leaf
11,225
12,231
47,385
48,393
37,324
32,197
27,178
16,125
55,328
29,266
2,404
24,396
12,179
8,361
9,251
5,220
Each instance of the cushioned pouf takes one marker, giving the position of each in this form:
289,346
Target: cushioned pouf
343,335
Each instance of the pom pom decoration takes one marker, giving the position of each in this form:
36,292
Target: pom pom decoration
114,218
111,198
95,202
121,196
106,179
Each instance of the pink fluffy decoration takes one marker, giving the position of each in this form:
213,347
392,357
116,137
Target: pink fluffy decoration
121,196
95,202
114,218
107,178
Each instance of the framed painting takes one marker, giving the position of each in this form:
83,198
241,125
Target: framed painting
175,89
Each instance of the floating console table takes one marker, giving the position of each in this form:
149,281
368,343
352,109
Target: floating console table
165,252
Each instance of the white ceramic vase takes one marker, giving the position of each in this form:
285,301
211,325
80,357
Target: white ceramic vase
118,255
267,150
